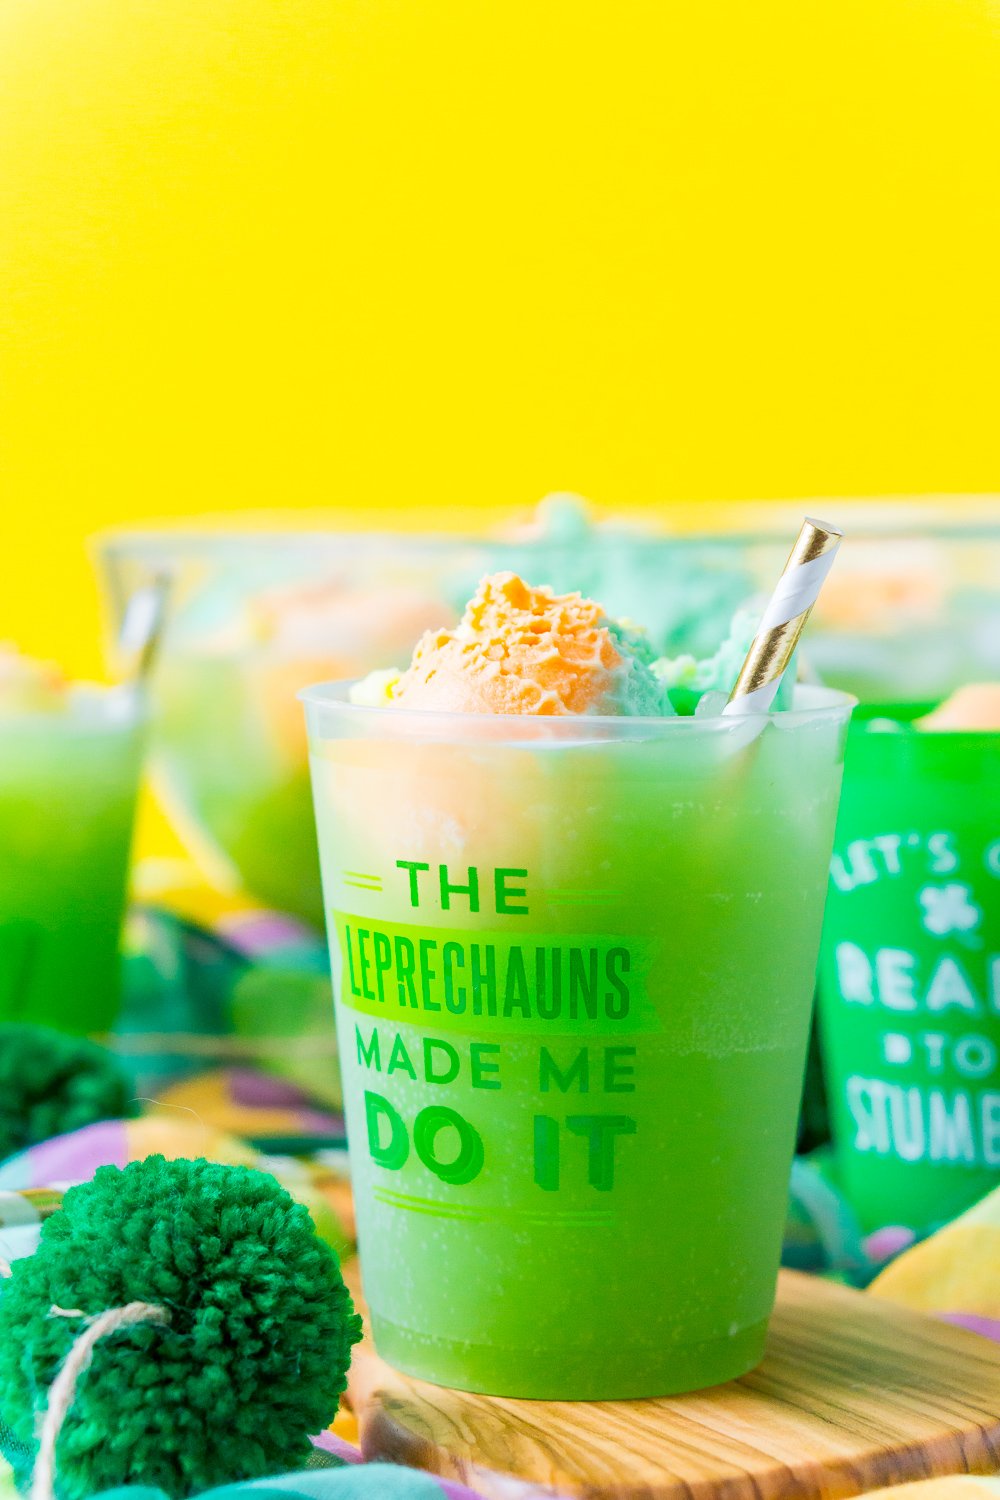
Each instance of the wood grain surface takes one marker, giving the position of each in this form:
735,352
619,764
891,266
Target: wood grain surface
853,1394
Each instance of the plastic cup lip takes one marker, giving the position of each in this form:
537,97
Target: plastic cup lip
87,708
878,720
748,522
961,517
812,704
884,727
156,544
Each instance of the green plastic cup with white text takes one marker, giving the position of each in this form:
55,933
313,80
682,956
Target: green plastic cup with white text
910,973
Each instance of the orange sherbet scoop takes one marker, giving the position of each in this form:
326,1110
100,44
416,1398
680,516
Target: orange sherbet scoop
523,650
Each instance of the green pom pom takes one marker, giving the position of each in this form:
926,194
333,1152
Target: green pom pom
252,1361
51,1083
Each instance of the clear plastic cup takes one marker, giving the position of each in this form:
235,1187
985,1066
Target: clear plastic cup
260,607
68,780
256,615
573,964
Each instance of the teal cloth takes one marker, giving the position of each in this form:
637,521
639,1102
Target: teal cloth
352,1482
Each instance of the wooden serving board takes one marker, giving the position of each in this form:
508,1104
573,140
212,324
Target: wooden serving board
853,1394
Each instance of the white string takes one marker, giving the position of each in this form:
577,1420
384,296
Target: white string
62,1392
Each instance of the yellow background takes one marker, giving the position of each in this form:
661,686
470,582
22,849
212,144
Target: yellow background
368,252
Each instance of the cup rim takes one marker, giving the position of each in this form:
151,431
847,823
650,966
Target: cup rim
960,516
154,544
902,733
820,703
88,707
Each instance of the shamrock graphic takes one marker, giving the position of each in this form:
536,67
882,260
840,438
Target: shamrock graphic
949,908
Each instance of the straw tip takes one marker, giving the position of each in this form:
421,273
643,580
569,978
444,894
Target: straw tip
825,526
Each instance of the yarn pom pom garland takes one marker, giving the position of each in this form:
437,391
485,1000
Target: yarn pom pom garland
51,1083
245,1351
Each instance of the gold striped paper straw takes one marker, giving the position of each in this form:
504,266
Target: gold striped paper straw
802,577
142,627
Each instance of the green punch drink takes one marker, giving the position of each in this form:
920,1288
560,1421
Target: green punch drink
573,952
69,769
